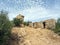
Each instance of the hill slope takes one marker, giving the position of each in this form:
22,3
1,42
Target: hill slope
31,36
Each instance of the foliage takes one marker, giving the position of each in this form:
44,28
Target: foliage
17,22
5,28
27,23
12,23
57,29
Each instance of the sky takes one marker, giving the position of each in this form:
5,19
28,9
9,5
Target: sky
33,10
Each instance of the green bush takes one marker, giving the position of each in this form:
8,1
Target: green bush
12,23
17,22
5,28
27,23
57,28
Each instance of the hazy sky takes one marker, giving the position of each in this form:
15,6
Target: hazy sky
33,10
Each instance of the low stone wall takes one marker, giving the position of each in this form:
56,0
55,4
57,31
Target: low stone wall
38,25
48,24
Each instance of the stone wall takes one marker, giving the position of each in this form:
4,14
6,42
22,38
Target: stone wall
35,24
30,24
38,25
49,24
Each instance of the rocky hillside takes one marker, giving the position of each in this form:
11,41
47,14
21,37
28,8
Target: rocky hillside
31,36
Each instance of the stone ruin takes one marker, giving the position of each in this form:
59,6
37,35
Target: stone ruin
21,17
37,25
16,39
49,24
30,24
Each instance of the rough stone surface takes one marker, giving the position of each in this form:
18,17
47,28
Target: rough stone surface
30,24
50,24
38,25
19,16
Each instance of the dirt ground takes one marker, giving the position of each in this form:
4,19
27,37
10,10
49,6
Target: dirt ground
31,36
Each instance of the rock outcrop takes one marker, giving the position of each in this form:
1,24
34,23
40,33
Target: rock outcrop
32,36
21,17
